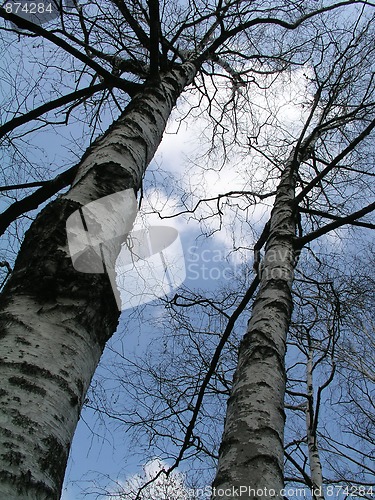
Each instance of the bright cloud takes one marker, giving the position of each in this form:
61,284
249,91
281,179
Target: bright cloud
159,486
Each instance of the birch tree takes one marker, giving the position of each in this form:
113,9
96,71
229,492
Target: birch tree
323,168
252,450
322,329
137,58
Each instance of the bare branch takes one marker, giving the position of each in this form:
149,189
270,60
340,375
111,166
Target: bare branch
108,77
32,201
49,106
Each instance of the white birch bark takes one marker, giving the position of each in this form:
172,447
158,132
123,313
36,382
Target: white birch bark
251,453
55,320
314,459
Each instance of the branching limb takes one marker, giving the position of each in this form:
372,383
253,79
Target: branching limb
227,34
35,199
340,221
230,194
214,361
108,77
326,215
300,469
49,106
133,23
335,162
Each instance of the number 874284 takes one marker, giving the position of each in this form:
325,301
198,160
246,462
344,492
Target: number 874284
28,7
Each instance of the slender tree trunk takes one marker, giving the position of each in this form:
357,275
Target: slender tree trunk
314,459
55,320
251,453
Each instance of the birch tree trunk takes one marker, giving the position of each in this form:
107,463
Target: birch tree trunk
251,453
55,321
314,459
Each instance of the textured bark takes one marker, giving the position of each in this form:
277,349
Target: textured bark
314,458
55,320
251,453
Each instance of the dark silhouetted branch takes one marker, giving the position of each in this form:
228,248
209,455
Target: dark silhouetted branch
154,14
49,106
340,221
326,215
108,77
35,199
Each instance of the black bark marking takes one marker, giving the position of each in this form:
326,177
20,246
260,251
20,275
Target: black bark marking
22,340
108,177
23,483
13,457
36,371
26,385
54,457
74,400
8,319
22,420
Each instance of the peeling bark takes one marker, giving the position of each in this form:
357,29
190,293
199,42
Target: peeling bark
54,320
251,454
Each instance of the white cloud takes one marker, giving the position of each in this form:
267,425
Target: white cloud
161,487
185,145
